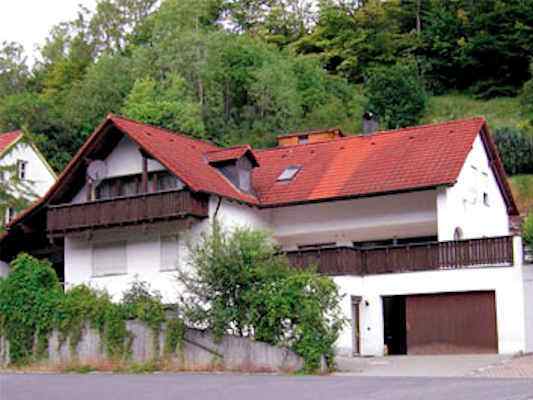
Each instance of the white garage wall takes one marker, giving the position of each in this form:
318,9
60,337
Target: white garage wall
505,281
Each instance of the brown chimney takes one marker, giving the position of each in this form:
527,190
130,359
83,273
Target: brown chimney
314,136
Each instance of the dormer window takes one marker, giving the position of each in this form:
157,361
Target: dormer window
289,173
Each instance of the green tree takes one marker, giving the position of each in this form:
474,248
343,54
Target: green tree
237,282
14,72
167,104
396,94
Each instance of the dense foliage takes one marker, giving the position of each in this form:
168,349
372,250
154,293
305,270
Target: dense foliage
397,95
527,230
238,71
238,283
32,303
516,150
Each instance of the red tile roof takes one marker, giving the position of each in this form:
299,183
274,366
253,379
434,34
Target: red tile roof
8,138
183,156
417,158
384,162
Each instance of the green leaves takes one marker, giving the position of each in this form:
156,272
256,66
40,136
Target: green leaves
238,283
397,95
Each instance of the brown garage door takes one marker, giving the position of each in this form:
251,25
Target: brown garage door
451,323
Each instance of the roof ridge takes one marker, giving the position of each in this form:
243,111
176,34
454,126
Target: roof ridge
242,146
373,135
166,130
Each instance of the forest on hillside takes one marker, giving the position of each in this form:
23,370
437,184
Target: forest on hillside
235,71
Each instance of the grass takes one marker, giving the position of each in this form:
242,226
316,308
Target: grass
499,112
522,186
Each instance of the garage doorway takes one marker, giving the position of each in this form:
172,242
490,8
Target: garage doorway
394,325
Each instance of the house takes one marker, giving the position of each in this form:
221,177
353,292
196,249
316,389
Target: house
20,156
412,224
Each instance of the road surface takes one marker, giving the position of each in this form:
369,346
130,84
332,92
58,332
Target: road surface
256,387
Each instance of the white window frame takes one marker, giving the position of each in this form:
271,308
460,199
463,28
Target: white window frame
120,264
22,169
169,240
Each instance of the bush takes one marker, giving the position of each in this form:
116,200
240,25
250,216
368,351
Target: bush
32,304
396,94
516,150
29,297
526,97
238,283
527,230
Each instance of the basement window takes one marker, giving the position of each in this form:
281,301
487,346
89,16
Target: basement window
289,173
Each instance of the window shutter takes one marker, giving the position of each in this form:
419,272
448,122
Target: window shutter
169,252
109,259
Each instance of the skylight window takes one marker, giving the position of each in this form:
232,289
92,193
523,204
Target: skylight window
289,173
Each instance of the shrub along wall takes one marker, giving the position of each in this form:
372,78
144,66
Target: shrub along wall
192,350
41,323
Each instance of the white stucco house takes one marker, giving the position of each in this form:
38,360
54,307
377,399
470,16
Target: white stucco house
413,225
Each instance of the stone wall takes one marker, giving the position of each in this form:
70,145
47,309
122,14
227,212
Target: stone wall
200,352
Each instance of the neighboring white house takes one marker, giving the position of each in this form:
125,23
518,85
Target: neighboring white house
412,224
33,171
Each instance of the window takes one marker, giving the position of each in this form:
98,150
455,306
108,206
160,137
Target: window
109,259
289,173
166,181
10,215
486,199
304,139
22,169
169,252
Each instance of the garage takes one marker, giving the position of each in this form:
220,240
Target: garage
442,323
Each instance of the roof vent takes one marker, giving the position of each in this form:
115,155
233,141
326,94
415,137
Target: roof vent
289,173
370,123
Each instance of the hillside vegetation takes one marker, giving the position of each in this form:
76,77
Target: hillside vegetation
244,71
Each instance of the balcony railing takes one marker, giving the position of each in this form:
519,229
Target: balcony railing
144,208
484,252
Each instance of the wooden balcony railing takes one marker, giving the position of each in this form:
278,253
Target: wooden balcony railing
496,251
148,207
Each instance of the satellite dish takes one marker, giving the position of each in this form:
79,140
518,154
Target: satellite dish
97,170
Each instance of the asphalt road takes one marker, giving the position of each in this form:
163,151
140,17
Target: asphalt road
247,387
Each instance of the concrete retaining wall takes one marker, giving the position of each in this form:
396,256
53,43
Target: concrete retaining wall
199,352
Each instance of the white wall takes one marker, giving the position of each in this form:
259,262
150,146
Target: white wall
4,269
402,215
37,172
505,281
462,205
143,258
143,250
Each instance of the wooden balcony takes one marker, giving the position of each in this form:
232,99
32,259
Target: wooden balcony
138,209
485,252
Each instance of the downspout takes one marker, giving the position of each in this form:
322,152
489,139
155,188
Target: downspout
218,207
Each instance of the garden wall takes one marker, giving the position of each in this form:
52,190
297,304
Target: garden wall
199,352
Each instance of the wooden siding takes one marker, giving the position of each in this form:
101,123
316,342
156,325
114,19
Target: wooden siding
405,258
136,209
451,323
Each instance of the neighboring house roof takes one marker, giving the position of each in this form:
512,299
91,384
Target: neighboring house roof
8,139
418,158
